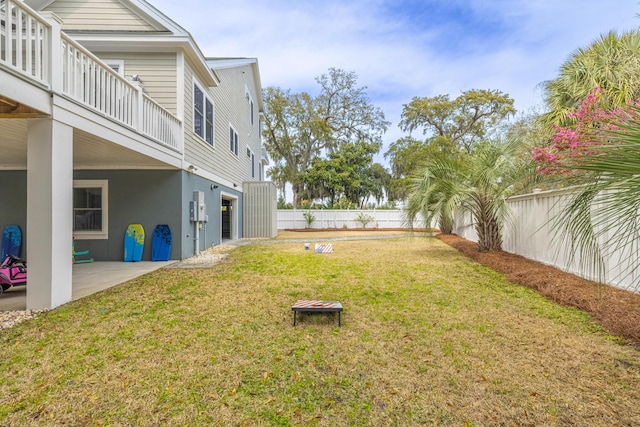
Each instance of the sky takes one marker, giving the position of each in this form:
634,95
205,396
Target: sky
400,49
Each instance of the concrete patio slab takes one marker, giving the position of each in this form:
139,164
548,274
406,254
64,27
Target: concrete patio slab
88,279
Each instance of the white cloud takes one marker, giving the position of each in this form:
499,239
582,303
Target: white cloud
398,52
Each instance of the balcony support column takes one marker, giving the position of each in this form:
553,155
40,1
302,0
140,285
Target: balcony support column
49,213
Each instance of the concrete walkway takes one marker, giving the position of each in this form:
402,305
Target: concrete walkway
88,279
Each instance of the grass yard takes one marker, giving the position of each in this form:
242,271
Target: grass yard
428,338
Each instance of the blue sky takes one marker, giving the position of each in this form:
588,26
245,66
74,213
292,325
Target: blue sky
404,48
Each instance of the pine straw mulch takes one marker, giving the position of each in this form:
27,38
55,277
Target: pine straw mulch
618,311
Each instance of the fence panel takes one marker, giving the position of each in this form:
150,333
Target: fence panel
329,218
529,232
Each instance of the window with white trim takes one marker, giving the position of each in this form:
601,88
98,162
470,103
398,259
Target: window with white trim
233,140
247,95
253,165
202,114
90,209
116,65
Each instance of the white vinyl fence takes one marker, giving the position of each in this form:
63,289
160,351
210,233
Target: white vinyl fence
529,233
325,218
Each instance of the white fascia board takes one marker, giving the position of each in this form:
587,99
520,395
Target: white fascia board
222,63
18,88
150,13
38,4
77,116
258,80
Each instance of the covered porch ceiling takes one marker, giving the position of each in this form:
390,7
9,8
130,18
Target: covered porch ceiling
89,151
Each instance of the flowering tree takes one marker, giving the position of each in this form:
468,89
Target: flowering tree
601,152
572,144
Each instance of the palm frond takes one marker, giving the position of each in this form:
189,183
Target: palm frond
602,219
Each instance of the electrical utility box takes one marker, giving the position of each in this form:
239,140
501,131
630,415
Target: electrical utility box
197,208
193,211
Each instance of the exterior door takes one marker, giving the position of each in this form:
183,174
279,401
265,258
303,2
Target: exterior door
227,209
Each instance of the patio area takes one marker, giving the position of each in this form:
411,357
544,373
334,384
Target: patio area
88,279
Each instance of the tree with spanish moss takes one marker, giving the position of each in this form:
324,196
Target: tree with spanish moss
299,127
449,126
462,121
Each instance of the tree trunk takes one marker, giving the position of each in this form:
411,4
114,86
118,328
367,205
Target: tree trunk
445,223
297,191
489,236
487,227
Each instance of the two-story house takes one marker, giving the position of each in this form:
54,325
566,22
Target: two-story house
110,115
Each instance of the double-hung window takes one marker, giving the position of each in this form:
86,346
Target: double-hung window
90,209
252,157
202,114
253,165
247,95
233,140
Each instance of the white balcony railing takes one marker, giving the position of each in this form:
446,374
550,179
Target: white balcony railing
35,47
24,40
160,124
87,80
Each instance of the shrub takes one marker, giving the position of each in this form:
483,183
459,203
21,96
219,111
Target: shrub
364,219
309,218
283,204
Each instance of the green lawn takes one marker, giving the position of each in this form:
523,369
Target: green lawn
428,338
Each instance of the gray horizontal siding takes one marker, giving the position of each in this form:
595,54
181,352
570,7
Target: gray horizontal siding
230,107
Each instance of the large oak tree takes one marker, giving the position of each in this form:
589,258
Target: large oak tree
450,126
299,127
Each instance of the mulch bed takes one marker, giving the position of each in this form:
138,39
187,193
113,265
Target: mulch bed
303,230
618,311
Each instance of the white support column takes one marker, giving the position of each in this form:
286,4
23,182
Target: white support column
49,213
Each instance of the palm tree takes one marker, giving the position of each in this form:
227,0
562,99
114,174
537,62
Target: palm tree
611,62
479,183
603,214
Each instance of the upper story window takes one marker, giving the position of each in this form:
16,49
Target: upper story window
252,157
233,140
253,165
247,94
116,65
202,114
